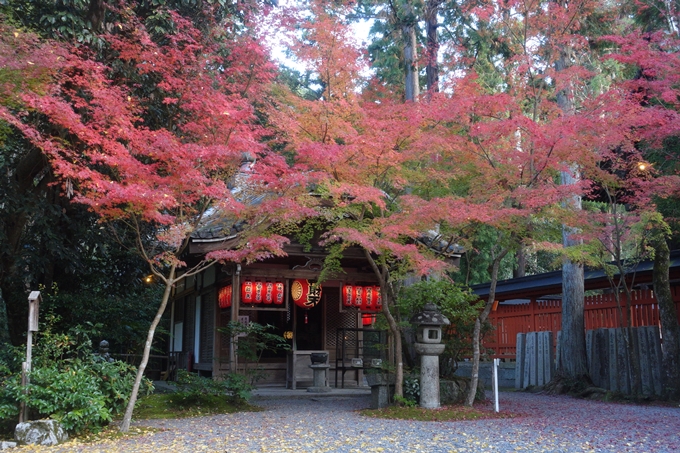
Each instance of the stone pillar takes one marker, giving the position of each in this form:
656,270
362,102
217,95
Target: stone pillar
319,378
429,373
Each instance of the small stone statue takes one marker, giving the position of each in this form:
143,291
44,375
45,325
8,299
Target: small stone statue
104,351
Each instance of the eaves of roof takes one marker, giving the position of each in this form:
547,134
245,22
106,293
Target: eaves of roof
551,282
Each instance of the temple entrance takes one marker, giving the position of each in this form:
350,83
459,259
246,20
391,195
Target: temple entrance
309,328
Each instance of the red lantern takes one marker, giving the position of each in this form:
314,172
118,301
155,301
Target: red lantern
369,298
279,288
269,295
258,295
247,292
367,319
347,293
358,296
224,296
305,294
378,298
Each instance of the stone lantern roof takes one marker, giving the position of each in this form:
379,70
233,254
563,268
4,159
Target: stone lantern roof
430,316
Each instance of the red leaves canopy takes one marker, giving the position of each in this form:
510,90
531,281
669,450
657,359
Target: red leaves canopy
98,125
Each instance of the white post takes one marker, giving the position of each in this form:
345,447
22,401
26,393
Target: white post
495,383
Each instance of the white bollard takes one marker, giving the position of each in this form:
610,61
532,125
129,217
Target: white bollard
496,362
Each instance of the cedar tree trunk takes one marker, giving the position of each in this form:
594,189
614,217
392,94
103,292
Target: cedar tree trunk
670,331
408,31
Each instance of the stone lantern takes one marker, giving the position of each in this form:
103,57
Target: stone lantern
428,344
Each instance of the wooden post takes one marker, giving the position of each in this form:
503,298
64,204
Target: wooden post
33,315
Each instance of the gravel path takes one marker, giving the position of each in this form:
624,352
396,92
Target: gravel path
330,424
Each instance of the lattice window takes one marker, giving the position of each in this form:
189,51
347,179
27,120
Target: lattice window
335,318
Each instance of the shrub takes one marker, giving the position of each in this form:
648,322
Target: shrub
412,387
191,386
68,382
253,340
458,304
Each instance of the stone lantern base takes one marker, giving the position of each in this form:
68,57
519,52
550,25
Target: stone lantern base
429,373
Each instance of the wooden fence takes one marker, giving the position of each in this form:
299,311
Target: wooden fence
601,311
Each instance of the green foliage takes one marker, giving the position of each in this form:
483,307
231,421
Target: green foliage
445,414
71,395
404,401
122,317
411,389
253,340
82,390
457,303
8,405
192,387
178,405
476,262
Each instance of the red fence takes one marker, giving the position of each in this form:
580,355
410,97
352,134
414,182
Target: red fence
601,311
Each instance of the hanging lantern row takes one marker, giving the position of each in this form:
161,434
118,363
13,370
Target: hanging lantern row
362,297
224,296
257,292
305,294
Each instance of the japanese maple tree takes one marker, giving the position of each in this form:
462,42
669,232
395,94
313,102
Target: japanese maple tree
162,177
363,156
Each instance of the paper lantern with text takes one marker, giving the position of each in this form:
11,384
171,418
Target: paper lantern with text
224,296
280,293
369,298
269,293
247,292
358,296
347,295
378,298
305,294
258,296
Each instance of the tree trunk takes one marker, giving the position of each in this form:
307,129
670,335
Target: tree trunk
4,324
95,14
521,267
573,363
432,68
388,299
127,418
477,333
670,331
398,349
408,31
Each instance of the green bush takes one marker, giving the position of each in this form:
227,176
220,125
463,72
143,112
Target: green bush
8,405
68,382
191,386
412,387
458,304
253,341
